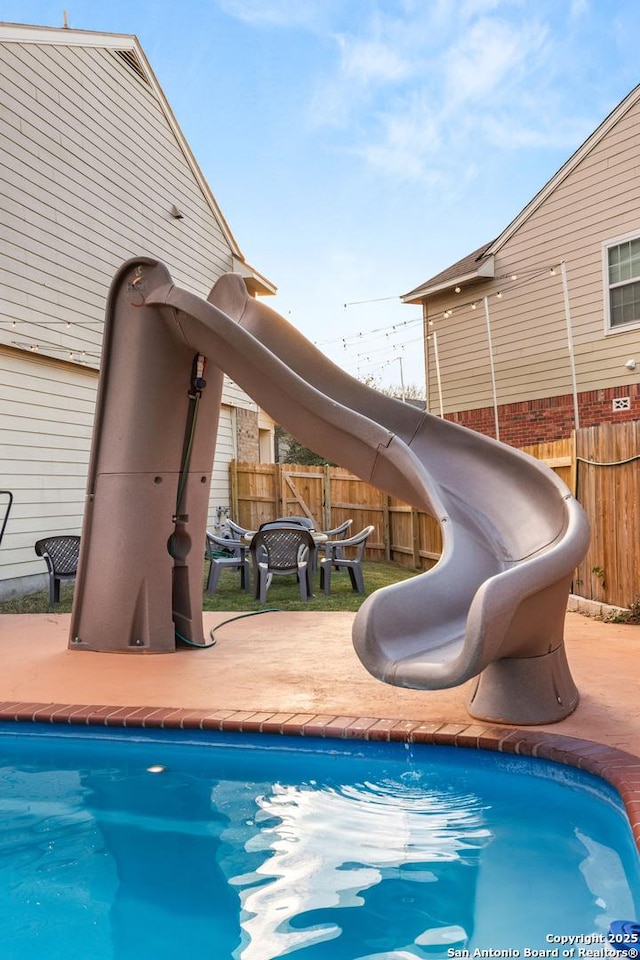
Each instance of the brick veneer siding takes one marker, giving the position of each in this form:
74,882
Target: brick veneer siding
247,435
551,418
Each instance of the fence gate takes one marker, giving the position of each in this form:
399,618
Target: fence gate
302,493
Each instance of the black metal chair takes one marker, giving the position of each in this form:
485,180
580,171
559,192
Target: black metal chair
61,557
279,549
230,554
336,558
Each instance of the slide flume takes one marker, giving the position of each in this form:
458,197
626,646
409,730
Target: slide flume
492,608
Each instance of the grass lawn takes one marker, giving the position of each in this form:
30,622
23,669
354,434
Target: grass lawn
283,593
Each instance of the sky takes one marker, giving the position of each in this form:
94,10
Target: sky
358,147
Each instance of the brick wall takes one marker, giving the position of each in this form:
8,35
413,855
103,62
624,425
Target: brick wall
551,418
247,435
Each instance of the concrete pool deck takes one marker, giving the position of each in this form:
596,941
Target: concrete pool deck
298,673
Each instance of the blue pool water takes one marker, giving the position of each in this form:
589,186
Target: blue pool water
253,848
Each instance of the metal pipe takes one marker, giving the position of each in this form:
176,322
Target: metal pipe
492,368
572,359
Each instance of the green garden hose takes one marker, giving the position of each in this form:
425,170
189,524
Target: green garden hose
240,616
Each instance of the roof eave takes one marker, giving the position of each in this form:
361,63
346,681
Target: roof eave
484,271
31,33
255,283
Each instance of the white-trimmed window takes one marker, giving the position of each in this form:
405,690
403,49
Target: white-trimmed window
622,270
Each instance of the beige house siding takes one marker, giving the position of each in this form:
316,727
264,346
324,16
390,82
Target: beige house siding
45,439
46,418
90,172
226,451
91,164
235,396
597,202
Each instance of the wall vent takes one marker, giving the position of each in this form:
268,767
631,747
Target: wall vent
131,59
621,403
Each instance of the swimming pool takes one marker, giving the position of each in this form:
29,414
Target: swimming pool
118,845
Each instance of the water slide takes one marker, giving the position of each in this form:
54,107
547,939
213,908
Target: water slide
492,608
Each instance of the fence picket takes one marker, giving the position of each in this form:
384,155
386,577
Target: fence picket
600,465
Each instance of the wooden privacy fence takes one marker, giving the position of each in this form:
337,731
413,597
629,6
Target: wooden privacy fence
608,487
601,465
330,495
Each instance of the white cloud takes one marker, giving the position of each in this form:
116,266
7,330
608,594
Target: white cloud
489,57
418,95
368,64
579,8
510,131
415,89
408,141
372,61
281,13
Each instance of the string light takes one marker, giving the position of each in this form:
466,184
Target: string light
82,325
524,277
43,345
378,366
369,333
523,274
50,348
384,349
372,356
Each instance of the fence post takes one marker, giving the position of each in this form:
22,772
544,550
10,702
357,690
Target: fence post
326,499
233,489
415,538
386,527
573,477
277,489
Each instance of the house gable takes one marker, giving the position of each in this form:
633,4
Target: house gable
94,171
127,48
536,333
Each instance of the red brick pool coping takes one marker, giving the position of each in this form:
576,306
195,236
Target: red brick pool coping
620,769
